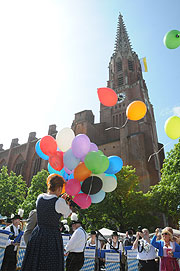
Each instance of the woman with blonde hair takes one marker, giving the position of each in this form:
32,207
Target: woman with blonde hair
45,247
169,250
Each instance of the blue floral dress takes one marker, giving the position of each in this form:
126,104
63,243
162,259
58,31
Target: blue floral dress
45,250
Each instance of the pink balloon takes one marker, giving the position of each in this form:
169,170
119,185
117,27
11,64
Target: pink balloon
73,187
83,200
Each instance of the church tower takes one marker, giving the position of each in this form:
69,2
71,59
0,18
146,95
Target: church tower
137,140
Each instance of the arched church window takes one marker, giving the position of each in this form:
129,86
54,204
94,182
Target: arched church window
119,65
37,166
120,123
18,165
116,120
130,65
123,118
120,81
113,120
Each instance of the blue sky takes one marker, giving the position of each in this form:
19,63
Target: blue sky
54,55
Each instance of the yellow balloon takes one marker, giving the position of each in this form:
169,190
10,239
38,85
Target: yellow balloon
136,110
172,127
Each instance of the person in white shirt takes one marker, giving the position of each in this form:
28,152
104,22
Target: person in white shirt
115,243
9,261
92,240
75,247
146,252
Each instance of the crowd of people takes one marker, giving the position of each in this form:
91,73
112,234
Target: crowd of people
45,250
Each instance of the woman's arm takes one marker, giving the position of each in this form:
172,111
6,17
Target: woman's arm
155,243
62,207
176,254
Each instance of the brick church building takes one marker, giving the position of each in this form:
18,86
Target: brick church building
134,143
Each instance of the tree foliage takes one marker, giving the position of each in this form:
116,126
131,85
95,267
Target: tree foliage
38,186
125,207
12,191
165,196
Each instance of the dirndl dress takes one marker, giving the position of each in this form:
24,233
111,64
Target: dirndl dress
45,250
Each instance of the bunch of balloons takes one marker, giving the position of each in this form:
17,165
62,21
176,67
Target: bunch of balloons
89,174
172,39
172,127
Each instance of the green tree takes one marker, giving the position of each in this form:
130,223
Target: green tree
12,191
125,207
165,196
38,186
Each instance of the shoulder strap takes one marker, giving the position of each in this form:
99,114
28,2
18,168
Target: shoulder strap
12,229
142,246
85,237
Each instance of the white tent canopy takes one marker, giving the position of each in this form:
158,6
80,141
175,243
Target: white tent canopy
108,233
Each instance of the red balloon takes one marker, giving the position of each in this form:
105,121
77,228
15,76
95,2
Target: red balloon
56,160
83,200
73,187
48,145
107,96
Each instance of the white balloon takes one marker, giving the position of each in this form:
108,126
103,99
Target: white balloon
98,197
109,184
64,139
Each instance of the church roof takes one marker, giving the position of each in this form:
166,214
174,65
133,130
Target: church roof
122,43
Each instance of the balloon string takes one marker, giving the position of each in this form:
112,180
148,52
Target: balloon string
90,188
158,151
124,124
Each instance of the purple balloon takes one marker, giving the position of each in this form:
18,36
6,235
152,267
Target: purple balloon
93,147
80,145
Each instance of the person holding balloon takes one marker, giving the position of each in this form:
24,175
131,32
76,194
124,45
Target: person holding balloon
45,247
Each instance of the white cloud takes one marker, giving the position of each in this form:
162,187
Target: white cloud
176,111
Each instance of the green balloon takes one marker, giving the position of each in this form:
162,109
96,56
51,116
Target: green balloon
172,127
172,39
104,163
96,162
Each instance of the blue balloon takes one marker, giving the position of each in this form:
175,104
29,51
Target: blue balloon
39,152
112,175
52,170
98,197
65,176
71,176
70,161
115,165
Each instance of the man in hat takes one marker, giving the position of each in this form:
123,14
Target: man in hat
129,239
75,247
9,261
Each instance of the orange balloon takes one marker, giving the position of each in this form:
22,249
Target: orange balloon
136,110
81,172
107,96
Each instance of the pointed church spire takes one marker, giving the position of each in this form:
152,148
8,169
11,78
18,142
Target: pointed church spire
122,43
